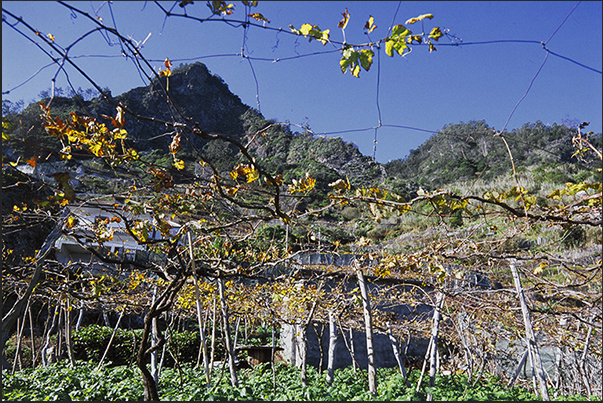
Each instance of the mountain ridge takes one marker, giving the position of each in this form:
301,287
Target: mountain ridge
461,151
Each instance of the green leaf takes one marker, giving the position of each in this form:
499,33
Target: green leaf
389,48
366,58
397,41
400,30
313,32
353,59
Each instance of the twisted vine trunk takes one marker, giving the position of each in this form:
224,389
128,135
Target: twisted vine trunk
147,347
303,349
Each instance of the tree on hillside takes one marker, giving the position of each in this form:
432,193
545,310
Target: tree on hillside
225,208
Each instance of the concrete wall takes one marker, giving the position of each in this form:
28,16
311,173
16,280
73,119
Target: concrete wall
291,336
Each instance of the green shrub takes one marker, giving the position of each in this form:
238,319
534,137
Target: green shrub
90,342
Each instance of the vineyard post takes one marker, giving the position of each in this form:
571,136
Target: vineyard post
332,346
433,353
59,339
273,352
20,326
532,368
427,355
106,318
226,330
236,332
68,332
80,317
530,338
245,329
304,342
394,343
352,352
459,325
213,335
203,346
50,330
522,362
100,363
350,347
582,363
303,346
33,342
154,370
368,323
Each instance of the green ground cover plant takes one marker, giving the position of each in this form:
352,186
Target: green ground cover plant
83,382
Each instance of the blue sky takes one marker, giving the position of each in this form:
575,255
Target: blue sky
422,90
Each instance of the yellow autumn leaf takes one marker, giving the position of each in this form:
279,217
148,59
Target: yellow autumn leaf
178,163
344,22
168,68
70,222
305,29
324,39
419,18
132,154
96,149
119,134
175,144
340,184
120,120
252,175
51,37
258,17
231,190
436,33
541,268
370,26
